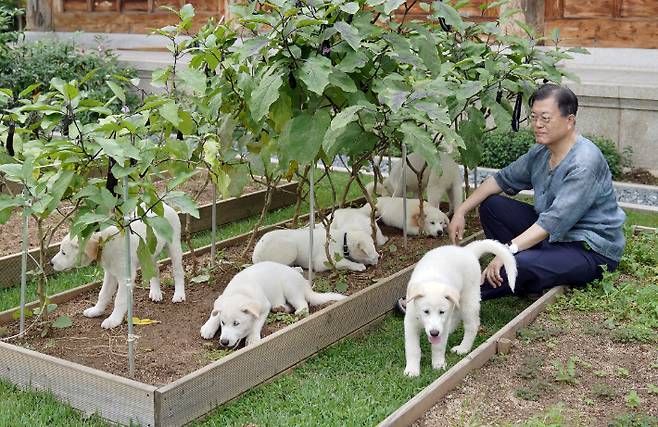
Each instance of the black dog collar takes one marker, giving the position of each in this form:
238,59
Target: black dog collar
346,249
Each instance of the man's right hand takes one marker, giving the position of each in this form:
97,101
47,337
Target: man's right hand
456,228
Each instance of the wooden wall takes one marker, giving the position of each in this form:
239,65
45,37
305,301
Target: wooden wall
604,23
127,16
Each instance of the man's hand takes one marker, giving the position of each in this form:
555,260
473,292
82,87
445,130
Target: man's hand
492,273
456,228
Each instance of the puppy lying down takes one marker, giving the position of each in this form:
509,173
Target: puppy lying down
444,289
290,247
242,309
390,210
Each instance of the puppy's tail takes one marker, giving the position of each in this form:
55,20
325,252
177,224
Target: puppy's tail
316,298
480,247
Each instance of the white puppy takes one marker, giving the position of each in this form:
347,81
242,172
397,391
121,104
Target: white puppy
444,289
243,307
351,219
449,181
291,247
390,210
107,247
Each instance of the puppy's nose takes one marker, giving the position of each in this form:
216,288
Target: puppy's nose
224,342
434,333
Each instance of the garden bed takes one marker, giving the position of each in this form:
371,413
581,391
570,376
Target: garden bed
228,210
167,350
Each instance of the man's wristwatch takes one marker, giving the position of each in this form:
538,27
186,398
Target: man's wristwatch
513,248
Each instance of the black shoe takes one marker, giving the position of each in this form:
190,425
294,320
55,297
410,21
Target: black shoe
401,306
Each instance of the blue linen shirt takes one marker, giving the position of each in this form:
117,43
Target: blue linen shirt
575,201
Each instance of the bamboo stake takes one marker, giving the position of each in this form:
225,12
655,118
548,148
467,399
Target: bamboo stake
311,225
404,193
24,246
129,288
213,233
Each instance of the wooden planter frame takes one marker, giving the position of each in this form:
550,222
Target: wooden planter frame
228,210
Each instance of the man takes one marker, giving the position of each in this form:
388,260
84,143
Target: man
574,230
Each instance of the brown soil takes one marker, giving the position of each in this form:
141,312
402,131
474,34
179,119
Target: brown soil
172,348
639,176
12,230
516,387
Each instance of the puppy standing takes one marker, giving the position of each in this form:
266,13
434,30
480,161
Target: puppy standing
449,181
444,289
248,298
390,211
112,259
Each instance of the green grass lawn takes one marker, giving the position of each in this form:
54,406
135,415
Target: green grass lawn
358,381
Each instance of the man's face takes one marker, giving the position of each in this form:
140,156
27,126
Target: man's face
548,123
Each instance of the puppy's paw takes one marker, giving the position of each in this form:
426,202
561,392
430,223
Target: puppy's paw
252,340
155,295
111,322
439,364
412,371
359,267
461,349
92,312
208,332
382,240
178,297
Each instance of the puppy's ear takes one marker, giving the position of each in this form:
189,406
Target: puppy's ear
92,247
452,296
415,219
252,308
412,295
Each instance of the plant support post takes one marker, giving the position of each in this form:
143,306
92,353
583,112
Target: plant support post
311,224
213,233
24,247
129,288
404,193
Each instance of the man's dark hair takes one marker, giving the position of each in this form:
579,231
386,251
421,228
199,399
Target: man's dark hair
566,100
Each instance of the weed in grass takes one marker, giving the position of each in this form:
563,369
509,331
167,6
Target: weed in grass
652,389
633,420
216,354
654,365
622,372
600,373
539,333
566,373
321,284
285,318
634,333
537,389
603,391
632,399
529,369
588,401
556,415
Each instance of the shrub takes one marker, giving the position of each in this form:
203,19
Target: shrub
502,148
39,62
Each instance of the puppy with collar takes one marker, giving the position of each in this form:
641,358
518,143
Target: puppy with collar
443,291
357,219
242,309
356,249
107,247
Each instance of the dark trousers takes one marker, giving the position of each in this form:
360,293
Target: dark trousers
543,266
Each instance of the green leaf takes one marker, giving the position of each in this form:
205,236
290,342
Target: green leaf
315,73
265,94
281,112
468,89
450,15
159,78
421,142
343,81
202,278
350,33
146,261
192,79
251,47
119,151
351,7
62,322
393,98
161,226
186,12
341,287
302,137
183,203
391,5
117,90
57,186
170,112
352,61
346,116
144,322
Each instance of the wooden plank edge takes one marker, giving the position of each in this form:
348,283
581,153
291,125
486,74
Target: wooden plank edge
416,407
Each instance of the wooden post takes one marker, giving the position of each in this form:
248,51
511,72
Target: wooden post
39,15
532,14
